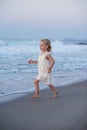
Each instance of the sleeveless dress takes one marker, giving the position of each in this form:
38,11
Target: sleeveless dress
43,64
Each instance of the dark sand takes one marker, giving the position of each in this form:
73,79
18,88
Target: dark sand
68,111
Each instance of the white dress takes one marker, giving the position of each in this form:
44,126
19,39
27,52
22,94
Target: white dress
43,64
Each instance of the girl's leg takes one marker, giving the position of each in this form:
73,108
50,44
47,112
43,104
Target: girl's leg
55,91
36,84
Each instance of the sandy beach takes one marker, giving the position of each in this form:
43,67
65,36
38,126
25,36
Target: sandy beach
68,111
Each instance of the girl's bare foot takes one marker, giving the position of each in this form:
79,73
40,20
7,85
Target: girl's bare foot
55,94
35,96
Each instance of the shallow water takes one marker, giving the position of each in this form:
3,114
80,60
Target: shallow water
17,76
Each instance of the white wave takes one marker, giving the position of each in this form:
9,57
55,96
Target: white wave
60,47
27,46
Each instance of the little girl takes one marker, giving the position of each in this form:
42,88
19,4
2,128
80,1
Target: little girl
45,63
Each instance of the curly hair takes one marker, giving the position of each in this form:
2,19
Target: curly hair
47,42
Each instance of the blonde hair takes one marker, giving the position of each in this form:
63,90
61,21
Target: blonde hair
47,42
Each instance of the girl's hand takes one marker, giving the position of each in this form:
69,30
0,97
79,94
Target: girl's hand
30,61
49,70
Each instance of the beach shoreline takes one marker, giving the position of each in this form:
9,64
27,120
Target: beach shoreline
14,96
65,112
25,87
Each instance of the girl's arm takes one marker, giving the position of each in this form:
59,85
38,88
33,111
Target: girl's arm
33,61
50,58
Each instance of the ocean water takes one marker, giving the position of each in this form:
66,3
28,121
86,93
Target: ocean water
16,75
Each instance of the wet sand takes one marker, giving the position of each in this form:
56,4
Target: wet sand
68,111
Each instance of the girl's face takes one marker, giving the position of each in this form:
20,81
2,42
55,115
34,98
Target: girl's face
43,46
